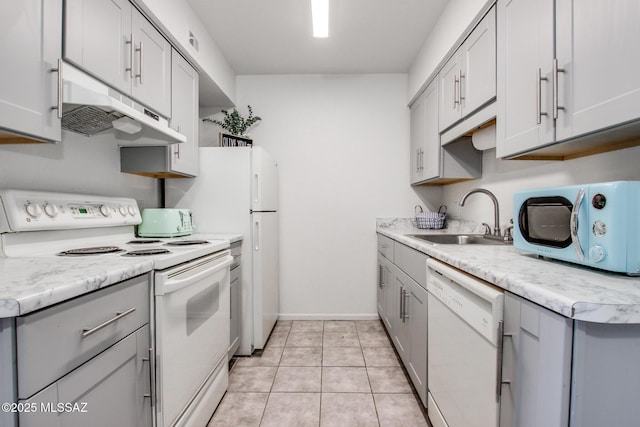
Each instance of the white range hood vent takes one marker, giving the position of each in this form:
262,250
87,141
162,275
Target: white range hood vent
91,107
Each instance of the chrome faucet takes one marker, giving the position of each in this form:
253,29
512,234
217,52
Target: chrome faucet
496,209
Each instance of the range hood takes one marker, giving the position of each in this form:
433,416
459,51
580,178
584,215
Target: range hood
91,107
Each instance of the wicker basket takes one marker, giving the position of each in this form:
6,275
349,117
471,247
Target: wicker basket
431,220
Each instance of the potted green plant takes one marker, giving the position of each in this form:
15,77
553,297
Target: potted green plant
236,126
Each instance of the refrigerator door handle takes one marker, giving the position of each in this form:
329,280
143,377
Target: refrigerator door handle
257,193
256,234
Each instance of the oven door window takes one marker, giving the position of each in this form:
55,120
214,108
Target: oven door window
201,307
546,221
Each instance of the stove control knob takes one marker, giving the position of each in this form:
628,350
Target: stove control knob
597,253
51,210
131,210
105,211
33,209
123,210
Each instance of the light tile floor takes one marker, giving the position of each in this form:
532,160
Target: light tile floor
321,373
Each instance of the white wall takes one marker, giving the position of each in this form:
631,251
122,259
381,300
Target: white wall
341,143
77,165
452,23
504,177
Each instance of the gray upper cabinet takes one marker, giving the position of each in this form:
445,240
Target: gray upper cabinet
597,47
425,139
184,117
176,160
432,163
468,79
151,84
31,43
566,69
98,39
111,40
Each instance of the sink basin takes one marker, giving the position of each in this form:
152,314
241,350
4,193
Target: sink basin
459,239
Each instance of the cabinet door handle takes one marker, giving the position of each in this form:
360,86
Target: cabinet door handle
554,76
405,316
89,331
58,105
421,160
152,369
499,360
131,58
539,80
455,91
380,276
401,305
417,160
460,87
141,50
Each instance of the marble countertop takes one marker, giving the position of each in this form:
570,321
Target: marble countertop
231,237
569,289
29,284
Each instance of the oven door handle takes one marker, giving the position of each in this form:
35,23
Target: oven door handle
173,285
573,224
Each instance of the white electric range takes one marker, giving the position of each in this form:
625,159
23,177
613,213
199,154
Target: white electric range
190,324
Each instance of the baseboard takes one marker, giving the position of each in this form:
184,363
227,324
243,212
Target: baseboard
300,316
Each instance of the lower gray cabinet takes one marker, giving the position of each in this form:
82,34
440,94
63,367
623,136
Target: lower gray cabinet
605,386
385,295
400,334
416,321
536,365
112,389
402,306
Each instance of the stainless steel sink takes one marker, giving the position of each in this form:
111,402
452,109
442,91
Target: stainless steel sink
460,239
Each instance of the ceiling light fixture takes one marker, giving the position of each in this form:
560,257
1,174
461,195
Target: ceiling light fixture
320,17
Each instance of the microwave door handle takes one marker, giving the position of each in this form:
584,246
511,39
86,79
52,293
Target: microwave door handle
573,224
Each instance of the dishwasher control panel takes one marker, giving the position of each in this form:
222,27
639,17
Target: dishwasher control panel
476,302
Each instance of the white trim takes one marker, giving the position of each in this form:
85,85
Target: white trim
300,316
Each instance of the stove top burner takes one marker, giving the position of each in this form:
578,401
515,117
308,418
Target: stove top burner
142,252
187,242
97,250
143,241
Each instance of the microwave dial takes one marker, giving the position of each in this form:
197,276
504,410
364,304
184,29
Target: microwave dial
599,201
599,228
597,253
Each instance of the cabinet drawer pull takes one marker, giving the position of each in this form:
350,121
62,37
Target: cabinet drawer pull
460,87
89,331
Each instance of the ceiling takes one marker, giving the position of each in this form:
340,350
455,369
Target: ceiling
274,36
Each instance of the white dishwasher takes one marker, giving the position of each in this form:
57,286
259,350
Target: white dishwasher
464,348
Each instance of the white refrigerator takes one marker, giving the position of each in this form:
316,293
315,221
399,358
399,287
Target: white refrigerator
236,191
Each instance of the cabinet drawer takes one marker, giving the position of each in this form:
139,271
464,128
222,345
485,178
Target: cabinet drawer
412,262
385,246
110,387
50,342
